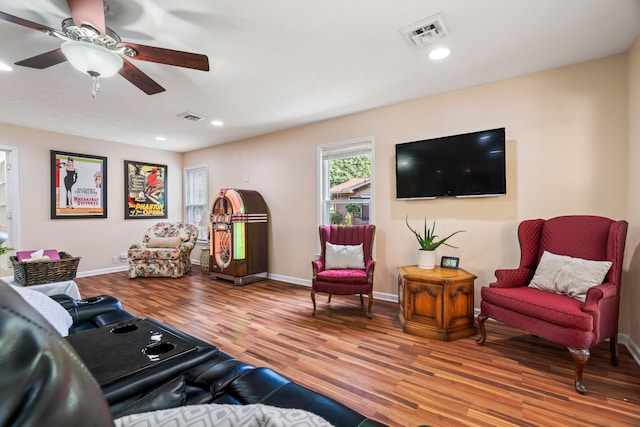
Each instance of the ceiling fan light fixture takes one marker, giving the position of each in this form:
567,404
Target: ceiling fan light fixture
91,58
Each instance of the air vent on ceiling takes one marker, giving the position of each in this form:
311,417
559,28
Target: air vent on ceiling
425,31
190,117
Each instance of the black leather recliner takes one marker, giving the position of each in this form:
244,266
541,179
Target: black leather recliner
43,381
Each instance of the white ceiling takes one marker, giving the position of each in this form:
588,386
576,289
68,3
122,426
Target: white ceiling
276,64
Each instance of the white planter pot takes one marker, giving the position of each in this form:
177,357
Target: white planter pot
426,259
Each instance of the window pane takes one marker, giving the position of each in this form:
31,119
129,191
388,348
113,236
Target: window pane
348,213
196,198
345,171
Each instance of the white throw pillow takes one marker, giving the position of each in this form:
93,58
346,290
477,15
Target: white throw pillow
343,256
224,415
164,242
567,275
55,314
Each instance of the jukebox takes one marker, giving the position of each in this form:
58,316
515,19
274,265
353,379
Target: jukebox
238,227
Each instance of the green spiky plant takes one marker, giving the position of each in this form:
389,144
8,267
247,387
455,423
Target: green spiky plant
4,250
429,240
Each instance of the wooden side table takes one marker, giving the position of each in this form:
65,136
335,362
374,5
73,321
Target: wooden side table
436,303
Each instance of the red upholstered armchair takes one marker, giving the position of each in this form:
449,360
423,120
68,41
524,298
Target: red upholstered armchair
521,297
345,266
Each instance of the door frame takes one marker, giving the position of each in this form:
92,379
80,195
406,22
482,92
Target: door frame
13,194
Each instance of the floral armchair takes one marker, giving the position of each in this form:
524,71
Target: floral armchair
164,252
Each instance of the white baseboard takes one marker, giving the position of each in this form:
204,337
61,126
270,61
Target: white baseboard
102,271
288,279
632,346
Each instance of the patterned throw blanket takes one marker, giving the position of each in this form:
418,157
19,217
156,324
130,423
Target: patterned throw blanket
213,415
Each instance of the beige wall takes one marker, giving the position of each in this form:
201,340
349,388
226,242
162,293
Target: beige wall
96,240
566,149
630,315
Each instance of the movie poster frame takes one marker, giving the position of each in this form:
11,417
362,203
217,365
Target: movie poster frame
58,187
131,205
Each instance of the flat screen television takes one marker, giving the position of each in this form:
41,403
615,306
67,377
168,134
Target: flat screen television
466,165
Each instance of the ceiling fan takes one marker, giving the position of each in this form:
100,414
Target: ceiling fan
90,46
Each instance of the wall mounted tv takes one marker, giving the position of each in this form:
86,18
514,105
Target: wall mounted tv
466,165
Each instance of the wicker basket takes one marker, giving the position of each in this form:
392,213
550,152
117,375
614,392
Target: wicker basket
39,272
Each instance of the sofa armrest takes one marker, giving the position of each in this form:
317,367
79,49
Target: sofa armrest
369,268
139,383
597,294
317,265
187,246
85,309
512,278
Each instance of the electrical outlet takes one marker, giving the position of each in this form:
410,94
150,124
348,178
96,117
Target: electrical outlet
116,259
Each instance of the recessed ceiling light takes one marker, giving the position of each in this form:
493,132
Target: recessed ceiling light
217,123
439,53
161,138
5,67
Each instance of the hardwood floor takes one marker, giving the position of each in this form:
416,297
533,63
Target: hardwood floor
373,367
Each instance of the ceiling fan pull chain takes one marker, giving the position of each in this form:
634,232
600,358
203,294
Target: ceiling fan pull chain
96,85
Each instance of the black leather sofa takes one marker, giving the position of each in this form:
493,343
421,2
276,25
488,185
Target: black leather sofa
46,379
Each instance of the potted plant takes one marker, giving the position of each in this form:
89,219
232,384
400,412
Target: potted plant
5,249
429,242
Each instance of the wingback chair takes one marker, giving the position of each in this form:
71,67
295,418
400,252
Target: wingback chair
345,265
164,252
570,301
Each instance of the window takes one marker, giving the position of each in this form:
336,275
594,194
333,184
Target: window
196,199
346,182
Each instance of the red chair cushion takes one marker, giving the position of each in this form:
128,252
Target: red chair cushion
343,276
553,308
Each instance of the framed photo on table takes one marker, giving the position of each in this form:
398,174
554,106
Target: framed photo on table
145,189
78,185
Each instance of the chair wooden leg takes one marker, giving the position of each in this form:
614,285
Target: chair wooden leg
581,357
361,300
483,332
313,299
613,346
329,300
370,304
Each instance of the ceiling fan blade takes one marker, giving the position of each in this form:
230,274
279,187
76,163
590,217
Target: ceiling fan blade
169,57
139,79
44,60
89,12
25,23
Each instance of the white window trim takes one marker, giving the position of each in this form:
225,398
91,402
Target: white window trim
201,239
340,149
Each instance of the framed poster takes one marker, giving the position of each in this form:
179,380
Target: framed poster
78,185
145,188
